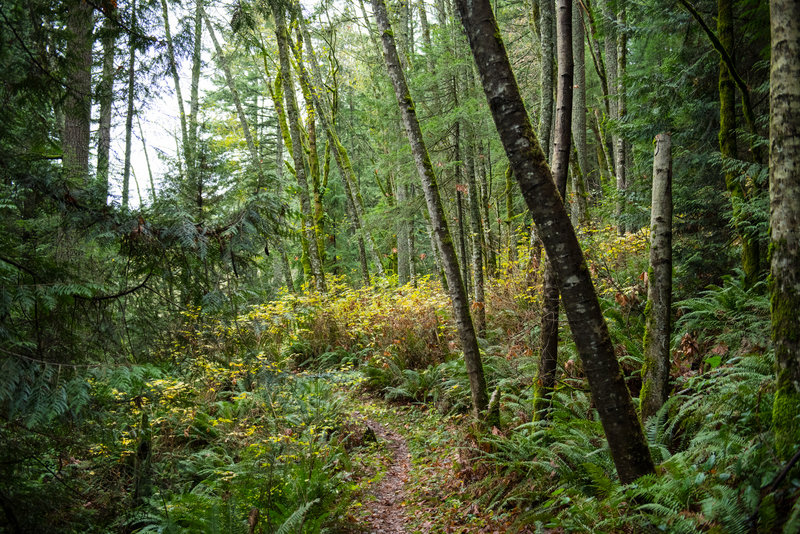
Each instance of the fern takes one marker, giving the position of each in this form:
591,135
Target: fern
295,520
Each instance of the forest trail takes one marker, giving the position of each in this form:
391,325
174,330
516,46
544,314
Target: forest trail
386,514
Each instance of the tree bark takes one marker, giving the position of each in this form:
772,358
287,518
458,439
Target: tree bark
476,231
784,195
546,30
466,330
546,379
580,209
106,98
78,100
612,399
655,373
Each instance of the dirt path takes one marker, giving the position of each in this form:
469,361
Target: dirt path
386,515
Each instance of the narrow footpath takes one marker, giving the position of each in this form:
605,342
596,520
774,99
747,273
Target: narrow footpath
386,514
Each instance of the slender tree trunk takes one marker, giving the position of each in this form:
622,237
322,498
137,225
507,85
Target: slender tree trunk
476,231
126,170
402,230
106,97
546,379
147,161
284,257
547,30
784,195
486,186
511,232
655,373
611,397
620,145
197,50
173,68
293,116
580,208
78,101
751,255
237,101
469,342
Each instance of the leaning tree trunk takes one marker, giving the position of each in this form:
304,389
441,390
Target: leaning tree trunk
466,330
546,378
784,195
590,332
655,373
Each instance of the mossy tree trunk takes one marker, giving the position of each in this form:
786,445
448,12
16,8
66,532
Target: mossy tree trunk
590,332
784,195
655,373
458,294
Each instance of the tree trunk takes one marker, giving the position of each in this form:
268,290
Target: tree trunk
106,97
78,100
126,170
751,255
476,231
611,397
197,50
784,195
546,379
469,342
173,68
655,373
293,116
580,209
620,145
546,29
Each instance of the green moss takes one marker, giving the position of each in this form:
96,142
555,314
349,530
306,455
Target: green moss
785,415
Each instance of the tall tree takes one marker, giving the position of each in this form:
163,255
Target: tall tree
784,195
293,118
545,381
655,372
579,211
751,255
590,332
105,97
126,169
78,101
547,31
458,294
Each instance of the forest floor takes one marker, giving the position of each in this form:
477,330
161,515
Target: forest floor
414,478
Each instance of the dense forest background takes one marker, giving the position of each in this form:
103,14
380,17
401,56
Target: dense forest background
219,240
